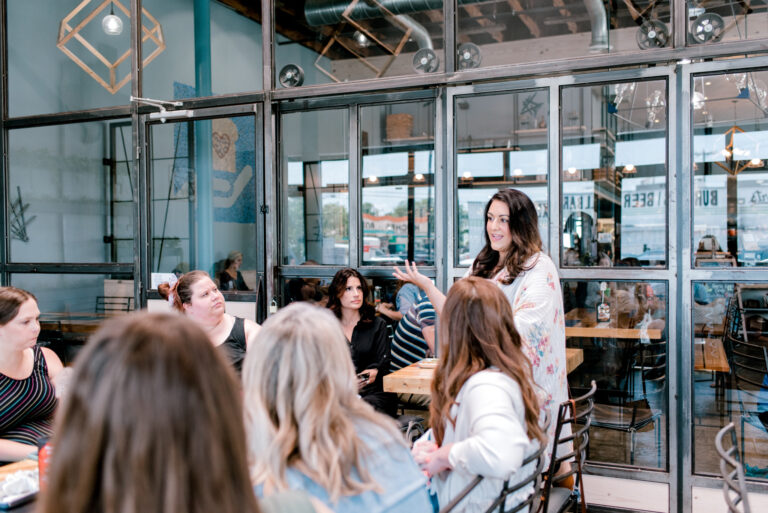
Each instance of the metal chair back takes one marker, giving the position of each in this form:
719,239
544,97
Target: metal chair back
734,482
531,503
578,413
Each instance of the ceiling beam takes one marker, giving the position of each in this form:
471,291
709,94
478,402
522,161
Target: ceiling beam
248,9
475,12
529,22
566,13
435,16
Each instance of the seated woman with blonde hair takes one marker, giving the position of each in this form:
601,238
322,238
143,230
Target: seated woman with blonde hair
309,430
153,423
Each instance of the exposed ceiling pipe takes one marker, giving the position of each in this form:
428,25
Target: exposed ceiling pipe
418,33
329,12
598,20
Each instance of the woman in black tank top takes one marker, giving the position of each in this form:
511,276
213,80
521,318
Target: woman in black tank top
198,297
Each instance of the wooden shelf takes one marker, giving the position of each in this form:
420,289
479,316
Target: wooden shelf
415,138
537,131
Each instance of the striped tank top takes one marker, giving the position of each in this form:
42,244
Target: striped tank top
27,405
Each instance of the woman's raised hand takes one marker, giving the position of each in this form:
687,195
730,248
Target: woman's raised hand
412,275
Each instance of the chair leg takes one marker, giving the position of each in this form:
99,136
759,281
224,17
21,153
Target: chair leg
631,446
742,441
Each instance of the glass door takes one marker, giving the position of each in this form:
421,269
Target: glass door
204,198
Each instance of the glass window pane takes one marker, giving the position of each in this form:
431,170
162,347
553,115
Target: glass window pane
74,306
76,294
730,205
730,326
501,142
225,59
44,75
398,183
621,328
318,43
203,195
314,156
71,193
497,32
614,175
712,22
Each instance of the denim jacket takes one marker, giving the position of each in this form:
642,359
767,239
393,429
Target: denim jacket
391,466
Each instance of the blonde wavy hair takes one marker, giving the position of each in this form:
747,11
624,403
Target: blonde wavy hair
302,408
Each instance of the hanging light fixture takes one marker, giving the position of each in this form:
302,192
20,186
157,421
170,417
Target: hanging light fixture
86,54
112,24
361,39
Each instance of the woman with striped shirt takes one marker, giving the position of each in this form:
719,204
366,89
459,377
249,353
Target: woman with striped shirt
27,395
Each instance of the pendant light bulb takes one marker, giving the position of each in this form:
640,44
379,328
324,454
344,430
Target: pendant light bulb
112,24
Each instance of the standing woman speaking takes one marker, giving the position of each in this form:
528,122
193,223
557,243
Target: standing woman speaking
197,296
512,258
27,394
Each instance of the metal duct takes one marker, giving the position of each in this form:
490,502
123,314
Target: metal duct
329,12
418,33
598,20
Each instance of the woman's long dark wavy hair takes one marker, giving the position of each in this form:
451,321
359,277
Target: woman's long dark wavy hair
336,290
524,230
478,332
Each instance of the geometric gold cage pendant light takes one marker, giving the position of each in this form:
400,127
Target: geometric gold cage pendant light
151,31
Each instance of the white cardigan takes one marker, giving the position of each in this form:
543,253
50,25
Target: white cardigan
489,439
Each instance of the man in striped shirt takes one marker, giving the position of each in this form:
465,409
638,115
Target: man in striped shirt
415,334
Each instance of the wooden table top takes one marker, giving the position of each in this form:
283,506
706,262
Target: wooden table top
701,329
586,327
709,354
417,380
5,470
74,322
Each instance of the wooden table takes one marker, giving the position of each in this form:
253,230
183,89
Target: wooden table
5,470
74,322
709,355
587,328
709,329
417,380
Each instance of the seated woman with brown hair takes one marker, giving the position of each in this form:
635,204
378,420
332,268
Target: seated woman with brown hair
27,372
152,423
484,408
197,296
308,429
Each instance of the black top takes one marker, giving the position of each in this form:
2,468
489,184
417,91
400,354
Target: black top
370,350
234,346
227,282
